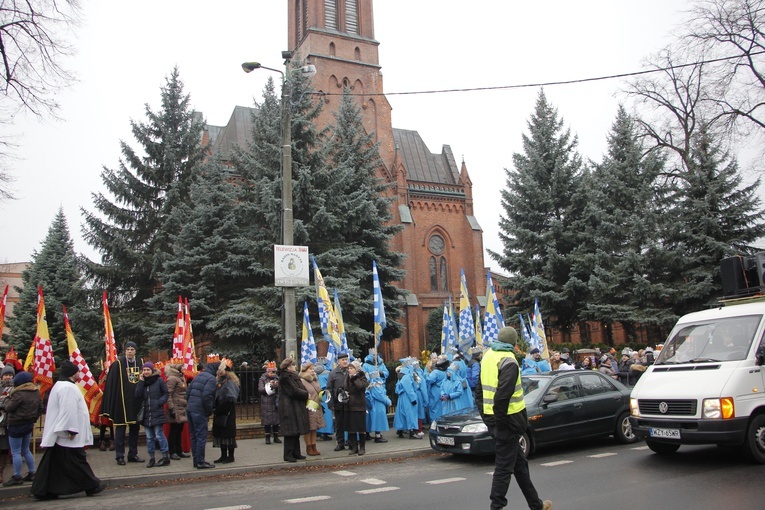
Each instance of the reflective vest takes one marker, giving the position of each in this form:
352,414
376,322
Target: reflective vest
490,380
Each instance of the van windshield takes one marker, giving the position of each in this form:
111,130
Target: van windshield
726,339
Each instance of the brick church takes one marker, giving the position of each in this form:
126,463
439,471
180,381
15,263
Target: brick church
433,193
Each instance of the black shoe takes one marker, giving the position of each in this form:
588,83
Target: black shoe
30,477
205,465
300,457
135,459
400,434
368,437
97,490
184,455
277,440
164,461
290,459
175,456
14,480
220,460
46,497
380,440
121,461
228,460
151,463
339,447
362,450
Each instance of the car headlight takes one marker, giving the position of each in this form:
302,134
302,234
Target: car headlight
475,428
718,408
634,409
433,425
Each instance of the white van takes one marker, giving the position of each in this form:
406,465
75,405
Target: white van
707,385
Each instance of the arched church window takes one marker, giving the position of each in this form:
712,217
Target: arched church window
332,49
330,14
357,53
433,275
443,275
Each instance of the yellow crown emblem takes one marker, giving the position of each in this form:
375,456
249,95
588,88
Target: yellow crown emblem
213,358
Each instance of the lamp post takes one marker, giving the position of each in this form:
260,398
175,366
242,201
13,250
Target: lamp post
289,318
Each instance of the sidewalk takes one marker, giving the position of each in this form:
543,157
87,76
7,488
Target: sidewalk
252,455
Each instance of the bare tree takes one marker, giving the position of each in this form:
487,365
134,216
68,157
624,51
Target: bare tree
733,31
33,43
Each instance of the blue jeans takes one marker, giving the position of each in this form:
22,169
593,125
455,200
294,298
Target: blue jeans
19,448
198,435
155,433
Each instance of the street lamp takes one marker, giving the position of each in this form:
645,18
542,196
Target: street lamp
288,293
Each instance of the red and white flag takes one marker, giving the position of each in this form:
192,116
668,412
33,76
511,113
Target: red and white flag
87,383
178,335
2,309
189,361
44,365
110,344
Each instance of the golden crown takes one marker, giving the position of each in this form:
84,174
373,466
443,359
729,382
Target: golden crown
271,365
11,354
213,358
227,362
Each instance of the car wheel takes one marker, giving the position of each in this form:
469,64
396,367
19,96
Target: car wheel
662,448
624,433
525,444
755,439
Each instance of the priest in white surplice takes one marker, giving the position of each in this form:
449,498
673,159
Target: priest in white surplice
64,467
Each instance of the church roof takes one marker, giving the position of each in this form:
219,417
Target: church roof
421,164
238,131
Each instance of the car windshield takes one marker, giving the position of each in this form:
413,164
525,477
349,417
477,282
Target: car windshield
725,339
534,386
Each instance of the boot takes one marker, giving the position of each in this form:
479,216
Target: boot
102,445
362,446
315,450
3,461
110,445
268,438
353,447
222,457
230,457
276,438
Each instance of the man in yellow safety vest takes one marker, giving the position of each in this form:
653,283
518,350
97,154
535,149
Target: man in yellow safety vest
504,412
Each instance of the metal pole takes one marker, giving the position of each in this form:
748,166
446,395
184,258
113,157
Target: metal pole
290,328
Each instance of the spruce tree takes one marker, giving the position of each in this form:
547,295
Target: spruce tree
709,215
620,232
130,227
59,271
352,227
536,225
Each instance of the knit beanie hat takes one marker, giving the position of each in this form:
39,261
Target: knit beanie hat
149,365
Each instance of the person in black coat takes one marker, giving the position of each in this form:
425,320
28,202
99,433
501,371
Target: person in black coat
336,380
354,408
200,395
151,396
293,414
224,416
118,402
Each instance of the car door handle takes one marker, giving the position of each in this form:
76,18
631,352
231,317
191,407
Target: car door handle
578,405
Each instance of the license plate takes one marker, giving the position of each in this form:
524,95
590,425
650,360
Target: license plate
449,441
666,433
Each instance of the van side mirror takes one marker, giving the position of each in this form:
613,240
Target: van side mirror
761,355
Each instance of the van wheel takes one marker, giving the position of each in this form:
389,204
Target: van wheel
525,444
662,448
623,432
755,439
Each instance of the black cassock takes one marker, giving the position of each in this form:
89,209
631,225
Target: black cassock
63,471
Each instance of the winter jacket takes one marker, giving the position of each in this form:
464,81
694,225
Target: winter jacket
334,382
200,393
474,370
151,394
226,395
356,386
24,405
176,388
269,407
315,411
293,415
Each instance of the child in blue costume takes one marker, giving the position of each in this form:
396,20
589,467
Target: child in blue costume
325,433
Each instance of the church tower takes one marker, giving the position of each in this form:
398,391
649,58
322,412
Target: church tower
433,195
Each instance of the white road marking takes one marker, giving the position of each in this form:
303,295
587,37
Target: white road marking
640,448
557,463
445,480
238,507
379,489
344,473
374,481
306,500
601,455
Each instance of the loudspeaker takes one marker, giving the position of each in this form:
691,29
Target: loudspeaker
740,277
759,260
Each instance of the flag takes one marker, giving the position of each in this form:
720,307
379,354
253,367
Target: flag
478,328
533,332
178,336
307,346
85,381
2,309
452,331
445,329
340,325
44,365
327,317
379,306
110,345
331,355
467,328
493,320
525,332
188,350
539,328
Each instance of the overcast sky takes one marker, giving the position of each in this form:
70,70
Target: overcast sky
126,49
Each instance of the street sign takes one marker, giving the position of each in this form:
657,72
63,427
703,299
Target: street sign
291,268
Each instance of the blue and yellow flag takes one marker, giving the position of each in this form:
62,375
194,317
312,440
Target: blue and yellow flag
467,328
308,345
379,306
493,320
340,325
539,329
327,317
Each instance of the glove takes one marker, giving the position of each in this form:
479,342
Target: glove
414,402
444,398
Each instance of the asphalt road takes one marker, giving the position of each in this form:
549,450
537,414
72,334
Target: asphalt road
594,475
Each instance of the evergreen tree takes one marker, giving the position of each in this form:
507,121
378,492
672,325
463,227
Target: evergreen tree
619,232
536,227
709,215
130,230
351,227
57,269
